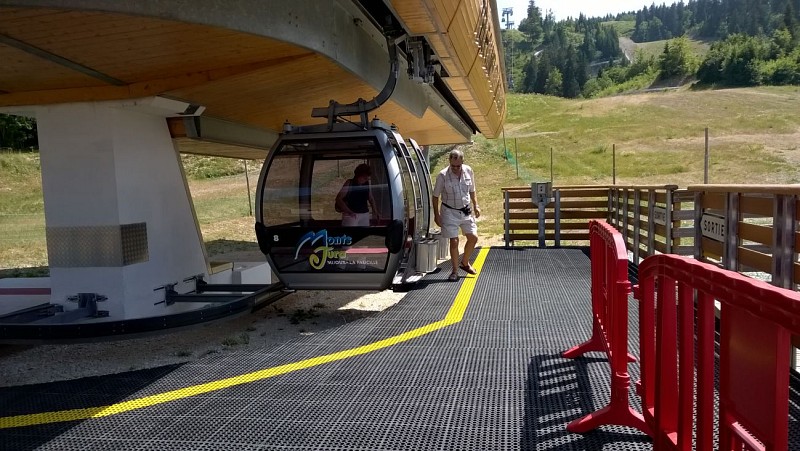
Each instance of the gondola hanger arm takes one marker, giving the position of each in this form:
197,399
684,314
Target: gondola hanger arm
361,107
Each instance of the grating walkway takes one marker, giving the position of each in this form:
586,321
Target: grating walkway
417,376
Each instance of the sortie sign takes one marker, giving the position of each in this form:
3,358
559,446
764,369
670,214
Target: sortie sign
713,227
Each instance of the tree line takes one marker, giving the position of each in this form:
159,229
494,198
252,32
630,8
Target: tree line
714,19
756,42
17,132
557,57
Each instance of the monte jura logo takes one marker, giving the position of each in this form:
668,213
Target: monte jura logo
323,248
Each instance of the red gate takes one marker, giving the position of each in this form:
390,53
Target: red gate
677,315
610,289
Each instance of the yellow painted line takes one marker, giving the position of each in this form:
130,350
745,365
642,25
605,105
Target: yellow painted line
454,315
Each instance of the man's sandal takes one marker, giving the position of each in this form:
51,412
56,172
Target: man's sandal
468,269
453,277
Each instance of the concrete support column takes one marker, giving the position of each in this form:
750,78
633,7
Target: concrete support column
119,218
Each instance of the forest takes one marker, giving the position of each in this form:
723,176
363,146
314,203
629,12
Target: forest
752,42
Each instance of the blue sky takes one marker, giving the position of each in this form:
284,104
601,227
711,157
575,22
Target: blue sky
565,8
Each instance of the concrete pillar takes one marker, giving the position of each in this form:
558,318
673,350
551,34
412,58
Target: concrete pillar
119,217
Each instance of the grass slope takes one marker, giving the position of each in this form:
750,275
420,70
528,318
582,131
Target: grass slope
754,134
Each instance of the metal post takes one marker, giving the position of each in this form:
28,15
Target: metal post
247,179
651,224
730,259
505,148
705,167
542,206
511,60
783,240
698,232
508,213
558,218
637,201
516,156
614,163
551,165
668,221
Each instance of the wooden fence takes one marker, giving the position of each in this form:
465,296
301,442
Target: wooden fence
750,228
566,218
745,228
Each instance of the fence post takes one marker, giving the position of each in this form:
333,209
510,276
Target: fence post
698,232
651,224
784,211
542,207
558,218
507,218
730,258
668,220
637,200
705,161
625,213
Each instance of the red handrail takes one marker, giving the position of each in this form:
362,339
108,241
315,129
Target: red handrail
677,315
610,289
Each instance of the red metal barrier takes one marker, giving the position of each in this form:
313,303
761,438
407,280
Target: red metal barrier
610,289
677,316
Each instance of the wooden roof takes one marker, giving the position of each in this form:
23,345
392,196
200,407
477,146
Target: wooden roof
55,56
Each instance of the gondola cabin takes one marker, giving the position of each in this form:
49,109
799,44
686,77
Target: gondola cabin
312,238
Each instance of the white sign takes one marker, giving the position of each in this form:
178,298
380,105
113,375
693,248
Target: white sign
660,215
713,227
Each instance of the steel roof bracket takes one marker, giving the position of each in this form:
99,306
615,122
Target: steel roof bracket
361,107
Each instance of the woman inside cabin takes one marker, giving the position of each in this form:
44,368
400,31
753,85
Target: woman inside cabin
355,199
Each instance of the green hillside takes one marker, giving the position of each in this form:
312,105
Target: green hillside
658,136
754,138
655,48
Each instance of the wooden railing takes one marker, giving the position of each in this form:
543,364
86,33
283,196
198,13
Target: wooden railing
654,219
750,228
566,217
744,228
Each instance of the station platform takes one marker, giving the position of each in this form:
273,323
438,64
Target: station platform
468,365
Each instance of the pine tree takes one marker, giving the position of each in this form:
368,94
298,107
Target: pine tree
532,25
530,73
542,74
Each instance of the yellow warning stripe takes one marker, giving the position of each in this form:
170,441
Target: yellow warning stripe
454,315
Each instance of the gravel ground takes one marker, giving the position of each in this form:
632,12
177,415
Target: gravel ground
300,313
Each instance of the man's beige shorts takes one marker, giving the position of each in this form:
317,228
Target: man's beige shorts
452,220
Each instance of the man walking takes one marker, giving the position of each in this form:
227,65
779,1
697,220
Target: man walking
455,185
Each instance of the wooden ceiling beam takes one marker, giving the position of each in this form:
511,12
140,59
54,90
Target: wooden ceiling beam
139,89
61,61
